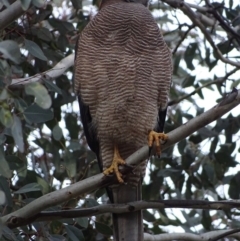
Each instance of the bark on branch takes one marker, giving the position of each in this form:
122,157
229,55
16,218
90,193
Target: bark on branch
129,207
213,236
53,73
97,181
11,13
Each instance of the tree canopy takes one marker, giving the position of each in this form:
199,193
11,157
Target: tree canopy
50,186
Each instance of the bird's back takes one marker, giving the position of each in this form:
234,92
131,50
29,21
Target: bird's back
120,66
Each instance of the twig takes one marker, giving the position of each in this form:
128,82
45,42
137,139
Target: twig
182,39
53,73
221,21
196,21
217,81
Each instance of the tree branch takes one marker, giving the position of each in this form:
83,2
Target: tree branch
53,73
216,81
212,235
129,207
11,13
98,181
182,39
186,9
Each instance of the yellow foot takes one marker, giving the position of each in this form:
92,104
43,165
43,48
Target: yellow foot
156,137
117,160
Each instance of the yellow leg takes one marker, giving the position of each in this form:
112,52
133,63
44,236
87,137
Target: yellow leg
117,160
156,137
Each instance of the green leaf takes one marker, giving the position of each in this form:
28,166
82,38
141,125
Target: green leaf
38,3
188,81
83,222
74,234
4,186
52,87
4,167
2,138
34,49
70,163
190,54
103,228
25,4
90,202
44,34
36,114
17,133
181,146
72,125
45,188
42,98
235,84
225,47
6,117
62,26
9,234
149,217
10,50
5,73
4,94
62,42
236,21
31,187
176,63
166,172
206,219
15,163
57,132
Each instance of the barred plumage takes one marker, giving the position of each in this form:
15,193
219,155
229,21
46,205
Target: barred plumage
123,74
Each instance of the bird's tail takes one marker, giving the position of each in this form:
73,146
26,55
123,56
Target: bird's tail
127,226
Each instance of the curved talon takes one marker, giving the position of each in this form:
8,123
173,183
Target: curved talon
117,160
156,137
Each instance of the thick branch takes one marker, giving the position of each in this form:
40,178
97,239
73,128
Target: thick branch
97,181
11,13
213,235
129,207
53,73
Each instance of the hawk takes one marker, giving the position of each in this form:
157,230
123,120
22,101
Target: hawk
123,74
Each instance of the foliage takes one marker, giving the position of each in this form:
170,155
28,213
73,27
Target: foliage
42,145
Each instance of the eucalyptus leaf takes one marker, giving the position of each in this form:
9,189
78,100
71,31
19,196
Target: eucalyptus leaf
42,98
34,49
36,114
103,228
57,132
38,3
10,50
31,187
4,167
4,186
17,133
52,87
73,233
6,117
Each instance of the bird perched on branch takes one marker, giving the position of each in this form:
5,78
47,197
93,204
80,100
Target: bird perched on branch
123,73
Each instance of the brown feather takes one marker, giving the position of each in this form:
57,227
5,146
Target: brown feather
123,74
